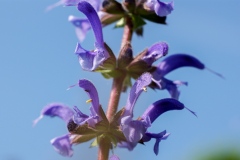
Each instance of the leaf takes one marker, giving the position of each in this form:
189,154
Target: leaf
137,21
94,143
83,138
120,23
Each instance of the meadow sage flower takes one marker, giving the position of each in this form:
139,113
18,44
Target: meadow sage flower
73,119
90,60
135,131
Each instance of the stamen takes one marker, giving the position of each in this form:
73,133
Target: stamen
89,101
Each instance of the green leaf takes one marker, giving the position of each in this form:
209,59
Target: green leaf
126,83
94,143
120,23
83,138
137,21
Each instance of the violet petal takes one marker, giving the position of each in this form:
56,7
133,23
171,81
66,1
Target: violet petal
90,60
56,110
161,8
114,157
81,26
155,52
79,117
161,106
133,130
92,93
62,145
136,90
174,62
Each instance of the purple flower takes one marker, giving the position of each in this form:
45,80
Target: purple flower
90,60
63,144
161,8
169,64
79,118
136,130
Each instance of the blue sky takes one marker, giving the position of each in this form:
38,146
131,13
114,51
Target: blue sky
37,64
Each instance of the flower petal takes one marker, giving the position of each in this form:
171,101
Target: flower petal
160,136
90,60
136,90
161,8
114,157
155,52
81,25
128,145
133,130
62,145
56,109
93,18
161,106
174,62
79,118
92,93
171,86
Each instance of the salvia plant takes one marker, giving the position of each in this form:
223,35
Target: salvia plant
116,127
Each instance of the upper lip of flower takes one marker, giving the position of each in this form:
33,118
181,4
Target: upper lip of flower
90,60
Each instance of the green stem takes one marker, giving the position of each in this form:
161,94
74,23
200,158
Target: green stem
105,146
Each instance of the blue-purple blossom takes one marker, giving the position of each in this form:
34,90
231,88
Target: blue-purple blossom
169,64
159,136
136,130
160,8
63,144
90,60
93,118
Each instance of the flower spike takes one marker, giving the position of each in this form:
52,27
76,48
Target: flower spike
90,60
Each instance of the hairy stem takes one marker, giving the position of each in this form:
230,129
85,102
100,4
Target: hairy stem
114,96
105,145
127,32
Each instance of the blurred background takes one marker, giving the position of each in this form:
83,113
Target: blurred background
38,64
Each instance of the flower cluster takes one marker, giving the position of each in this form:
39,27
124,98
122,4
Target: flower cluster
118,128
